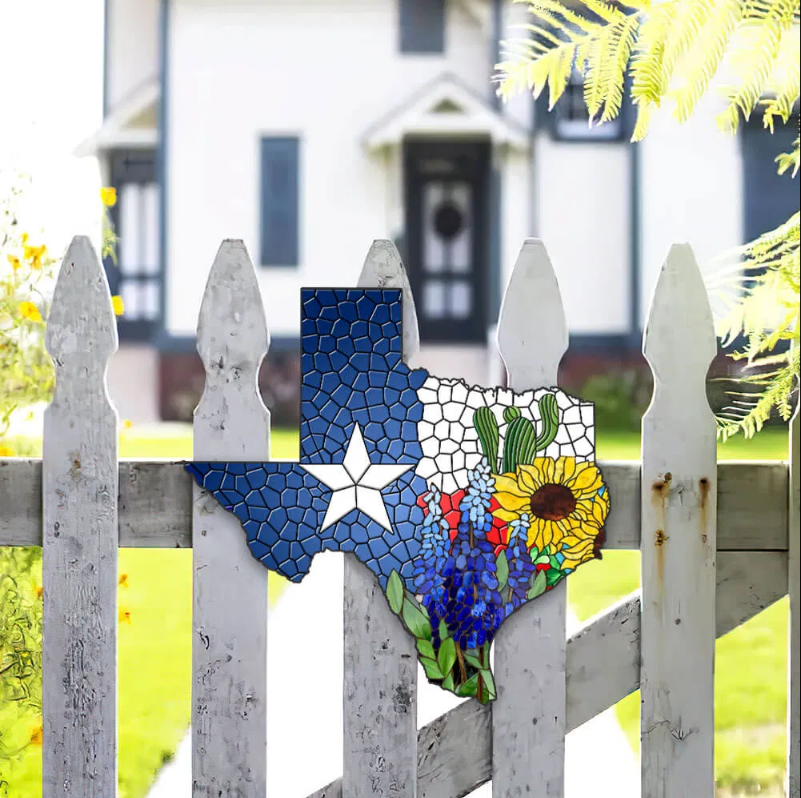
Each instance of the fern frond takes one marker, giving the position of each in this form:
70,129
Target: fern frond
788,160
767,313
764,27
705,55
613,69
681,41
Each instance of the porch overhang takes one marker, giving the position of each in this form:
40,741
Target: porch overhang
132,124
445,108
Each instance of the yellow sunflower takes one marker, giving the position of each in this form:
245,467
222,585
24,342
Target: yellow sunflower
566,502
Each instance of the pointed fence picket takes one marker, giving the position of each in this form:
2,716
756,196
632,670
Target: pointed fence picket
679,498
528,717
79,561
229,640
380,668
728,533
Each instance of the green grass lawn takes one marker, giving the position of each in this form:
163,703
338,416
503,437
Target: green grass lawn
751,661
155,645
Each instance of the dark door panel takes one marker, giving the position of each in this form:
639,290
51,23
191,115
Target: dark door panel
136,274
446,237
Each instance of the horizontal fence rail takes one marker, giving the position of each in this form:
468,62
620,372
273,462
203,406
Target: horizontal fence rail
155,504
736,521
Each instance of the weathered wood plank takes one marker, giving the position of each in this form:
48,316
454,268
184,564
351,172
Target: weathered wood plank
155,504
603,667
380,670
679,491
229,643
528,716
794,634
79,571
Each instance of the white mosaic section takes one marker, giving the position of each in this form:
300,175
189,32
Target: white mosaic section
450,441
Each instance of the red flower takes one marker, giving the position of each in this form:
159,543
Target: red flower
449,504
543,566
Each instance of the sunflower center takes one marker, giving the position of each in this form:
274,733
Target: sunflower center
553,502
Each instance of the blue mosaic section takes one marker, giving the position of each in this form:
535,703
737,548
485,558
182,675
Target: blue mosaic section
352,375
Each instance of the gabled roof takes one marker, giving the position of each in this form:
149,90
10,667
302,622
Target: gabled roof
445,107
131,124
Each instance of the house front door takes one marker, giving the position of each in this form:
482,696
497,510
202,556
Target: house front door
135,273
447,215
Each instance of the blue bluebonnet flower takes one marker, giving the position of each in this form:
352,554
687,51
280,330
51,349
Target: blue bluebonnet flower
473,598
432,566
521,568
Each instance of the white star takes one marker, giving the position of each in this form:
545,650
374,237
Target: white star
356,483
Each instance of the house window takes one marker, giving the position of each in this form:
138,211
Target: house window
280,201
570,119
422,26
136,275
769,198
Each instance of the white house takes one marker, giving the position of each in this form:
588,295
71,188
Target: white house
310,127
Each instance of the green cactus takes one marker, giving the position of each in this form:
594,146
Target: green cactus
510,414
520,440
487,427
549,412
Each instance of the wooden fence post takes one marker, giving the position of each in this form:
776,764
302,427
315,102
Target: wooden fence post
380,669
528,716
229,643
794,633
679,541
79,492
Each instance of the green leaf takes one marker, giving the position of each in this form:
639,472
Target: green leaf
543,559
443,631
431,668
534,552
426,649
470,687
538,588
502,564
448,683
489,682
395,592
447,655
553,576
472,659
415,621
413,599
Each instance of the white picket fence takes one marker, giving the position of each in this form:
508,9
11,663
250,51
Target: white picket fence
719,543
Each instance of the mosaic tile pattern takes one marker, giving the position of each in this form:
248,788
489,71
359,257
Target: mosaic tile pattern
450,441
465,502
353,378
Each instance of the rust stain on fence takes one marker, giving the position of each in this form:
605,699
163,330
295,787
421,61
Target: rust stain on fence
703,485
660,490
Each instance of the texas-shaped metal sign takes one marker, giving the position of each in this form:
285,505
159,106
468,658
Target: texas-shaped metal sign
465,502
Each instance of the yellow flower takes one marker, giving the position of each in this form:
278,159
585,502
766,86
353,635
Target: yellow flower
117,304
566,502
29,311
6,451
24,239
123,580
108,196
35,255
124,616
14,261
37,735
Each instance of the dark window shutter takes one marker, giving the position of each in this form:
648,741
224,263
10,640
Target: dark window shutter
769,198
422,26
280,209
